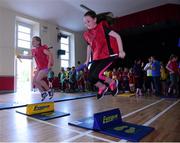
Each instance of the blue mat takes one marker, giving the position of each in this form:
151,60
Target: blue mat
110,123
4,106
43,116
64,97
73,97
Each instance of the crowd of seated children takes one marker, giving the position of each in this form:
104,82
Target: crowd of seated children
73,81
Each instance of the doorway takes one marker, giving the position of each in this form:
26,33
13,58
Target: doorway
24,75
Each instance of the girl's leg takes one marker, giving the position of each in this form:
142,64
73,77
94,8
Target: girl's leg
94,72
100,86
42,85
113,84
102,89
39,80
36,83
96,76
102,77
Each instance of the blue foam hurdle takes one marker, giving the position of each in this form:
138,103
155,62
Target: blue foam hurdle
110,123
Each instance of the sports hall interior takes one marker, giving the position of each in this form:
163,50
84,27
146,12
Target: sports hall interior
147,28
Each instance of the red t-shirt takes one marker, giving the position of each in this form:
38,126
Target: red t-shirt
40,58
101,43
173,65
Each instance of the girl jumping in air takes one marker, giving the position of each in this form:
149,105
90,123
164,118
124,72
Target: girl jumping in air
44,63
105,45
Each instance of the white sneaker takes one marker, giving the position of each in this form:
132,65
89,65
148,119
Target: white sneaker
43,95
51,93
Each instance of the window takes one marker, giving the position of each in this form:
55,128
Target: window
24,33
65,45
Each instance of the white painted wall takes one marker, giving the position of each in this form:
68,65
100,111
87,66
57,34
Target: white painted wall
49,37
81,47
7,28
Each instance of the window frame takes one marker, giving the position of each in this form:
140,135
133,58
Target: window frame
66,51
31,33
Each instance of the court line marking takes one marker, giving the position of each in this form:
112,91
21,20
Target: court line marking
138,110
86,134
54,125
90,131
156,117
127,115
160,114
72,138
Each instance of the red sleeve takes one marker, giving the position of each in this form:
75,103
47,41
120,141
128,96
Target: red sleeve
45,47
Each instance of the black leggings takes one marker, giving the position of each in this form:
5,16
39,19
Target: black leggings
97,69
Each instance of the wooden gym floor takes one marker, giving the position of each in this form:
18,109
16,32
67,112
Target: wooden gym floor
162,114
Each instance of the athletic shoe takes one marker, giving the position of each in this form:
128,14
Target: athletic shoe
100,95
114,92
50,93
43,95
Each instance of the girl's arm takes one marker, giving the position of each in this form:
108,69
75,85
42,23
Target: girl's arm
29,56
50,58
119,42
88,54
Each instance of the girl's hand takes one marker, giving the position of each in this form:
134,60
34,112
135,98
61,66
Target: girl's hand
122,54
18,56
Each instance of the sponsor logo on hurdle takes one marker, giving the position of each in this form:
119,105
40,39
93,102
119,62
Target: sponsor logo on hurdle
107,119
39,108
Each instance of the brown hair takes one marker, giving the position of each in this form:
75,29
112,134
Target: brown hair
91,14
